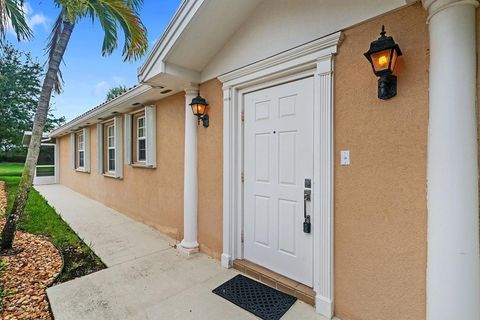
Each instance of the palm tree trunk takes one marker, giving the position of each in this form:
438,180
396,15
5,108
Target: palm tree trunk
41,114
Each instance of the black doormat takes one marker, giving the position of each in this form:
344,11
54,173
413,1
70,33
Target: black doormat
255,297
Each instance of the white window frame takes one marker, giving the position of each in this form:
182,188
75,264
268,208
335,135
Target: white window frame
139,138
81,150
109,170
132,137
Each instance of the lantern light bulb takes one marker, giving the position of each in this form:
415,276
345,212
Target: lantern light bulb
382,60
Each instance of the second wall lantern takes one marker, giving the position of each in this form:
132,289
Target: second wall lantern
200,109
383,56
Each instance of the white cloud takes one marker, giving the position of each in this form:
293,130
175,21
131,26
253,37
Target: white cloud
33,19
101,88
38,19
27,8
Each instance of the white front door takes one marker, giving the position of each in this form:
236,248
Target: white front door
278,159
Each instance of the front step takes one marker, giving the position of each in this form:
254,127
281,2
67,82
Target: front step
275,280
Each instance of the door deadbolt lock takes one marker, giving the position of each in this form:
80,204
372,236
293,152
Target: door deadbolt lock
308,183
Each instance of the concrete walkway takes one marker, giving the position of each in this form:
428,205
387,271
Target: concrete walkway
146,278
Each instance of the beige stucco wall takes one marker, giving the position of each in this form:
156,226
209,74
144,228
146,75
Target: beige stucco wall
380,199
152,196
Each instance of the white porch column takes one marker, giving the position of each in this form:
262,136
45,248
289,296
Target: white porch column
453,270
189,243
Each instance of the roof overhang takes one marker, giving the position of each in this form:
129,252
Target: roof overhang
187,45
27,136
130,100
200,29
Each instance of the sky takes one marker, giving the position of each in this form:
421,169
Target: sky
87,74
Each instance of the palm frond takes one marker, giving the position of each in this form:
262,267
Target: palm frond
12,15
109,26
135,5
123,13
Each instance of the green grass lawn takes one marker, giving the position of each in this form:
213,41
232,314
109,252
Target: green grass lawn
41,219
11,169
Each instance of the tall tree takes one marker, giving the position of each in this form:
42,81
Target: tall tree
20,83
112,15
115,91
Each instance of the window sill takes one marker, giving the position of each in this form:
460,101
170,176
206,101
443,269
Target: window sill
110,175
81,170
141,165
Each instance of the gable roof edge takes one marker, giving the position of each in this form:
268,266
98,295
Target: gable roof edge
172,33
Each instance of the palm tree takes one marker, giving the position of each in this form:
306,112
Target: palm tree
12,15
111,14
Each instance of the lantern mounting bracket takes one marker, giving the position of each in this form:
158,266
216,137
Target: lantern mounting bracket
387,86
205,120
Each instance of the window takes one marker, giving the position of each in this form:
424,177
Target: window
140,137
111,149
141,140
81,151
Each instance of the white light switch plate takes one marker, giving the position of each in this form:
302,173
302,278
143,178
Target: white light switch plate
345,157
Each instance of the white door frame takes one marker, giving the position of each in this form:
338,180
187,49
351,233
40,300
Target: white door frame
312,59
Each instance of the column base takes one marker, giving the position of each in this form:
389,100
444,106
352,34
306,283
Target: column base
188,248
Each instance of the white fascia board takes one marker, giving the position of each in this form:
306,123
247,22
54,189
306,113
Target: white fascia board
174,30
94,113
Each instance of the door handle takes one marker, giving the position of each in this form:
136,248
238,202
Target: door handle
307,225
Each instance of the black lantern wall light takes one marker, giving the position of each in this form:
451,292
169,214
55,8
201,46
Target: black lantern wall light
200,109
383,56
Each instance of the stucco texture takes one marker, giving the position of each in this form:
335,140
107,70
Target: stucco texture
152,196
380,199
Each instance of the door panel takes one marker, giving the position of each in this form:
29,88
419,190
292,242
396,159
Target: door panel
278,157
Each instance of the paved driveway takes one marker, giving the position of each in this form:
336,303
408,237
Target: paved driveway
146,277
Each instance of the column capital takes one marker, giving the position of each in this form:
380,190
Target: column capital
191,89
435,6
191,92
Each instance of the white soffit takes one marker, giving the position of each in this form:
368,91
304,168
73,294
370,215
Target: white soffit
195,34
211,27
276,26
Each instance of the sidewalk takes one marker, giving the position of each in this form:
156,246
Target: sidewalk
146,277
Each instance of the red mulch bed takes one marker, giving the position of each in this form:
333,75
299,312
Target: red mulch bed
27,274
